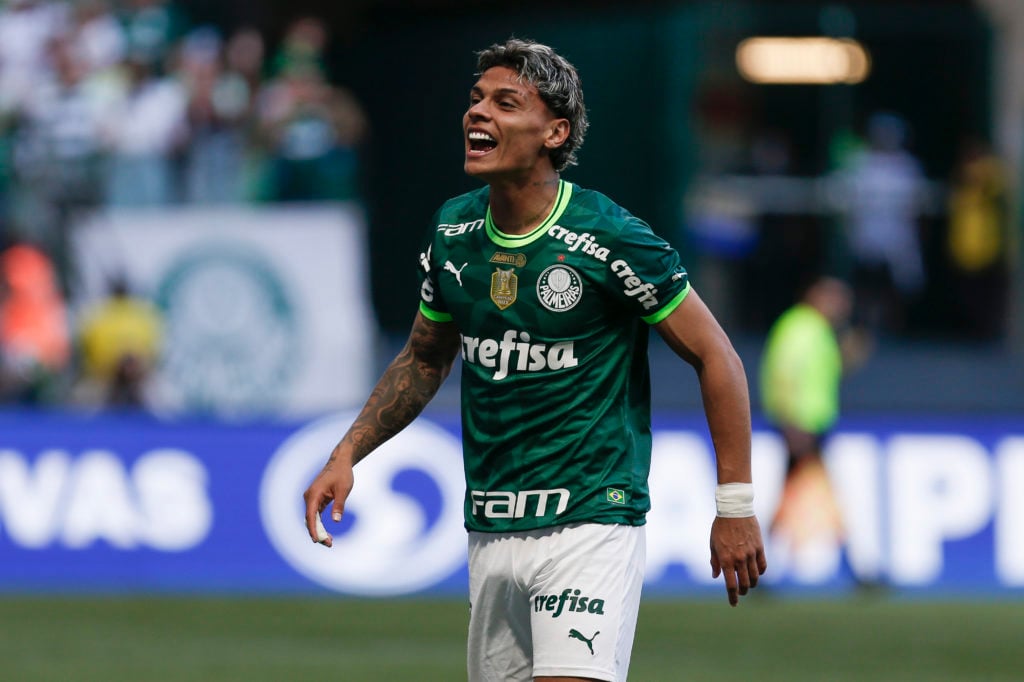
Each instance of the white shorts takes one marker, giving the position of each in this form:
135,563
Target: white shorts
559,601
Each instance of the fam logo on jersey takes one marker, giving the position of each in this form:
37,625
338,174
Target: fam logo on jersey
231,330
510,504
504,287
559,288
456,229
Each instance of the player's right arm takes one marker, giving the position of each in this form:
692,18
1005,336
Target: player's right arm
409,383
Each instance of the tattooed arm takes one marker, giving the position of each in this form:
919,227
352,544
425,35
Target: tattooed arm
408,384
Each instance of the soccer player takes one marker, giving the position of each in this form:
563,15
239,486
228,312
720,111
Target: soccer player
547,290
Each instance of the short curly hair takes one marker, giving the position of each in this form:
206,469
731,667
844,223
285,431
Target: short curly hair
556,81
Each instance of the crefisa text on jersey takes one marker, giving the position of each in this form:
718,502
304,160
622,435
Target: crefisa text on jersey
530,357
585,243
645,291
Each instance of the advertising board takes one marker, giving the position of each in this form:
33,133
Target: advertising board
133,503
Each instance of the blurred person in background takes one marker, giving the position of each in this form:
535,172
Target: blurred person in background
60,149
312,130
882,191
978,241
27,29
119,344
35,346
304,42
218,112
152,28
149,127
548,291
807,351
244,55
239,88
96,38
147,130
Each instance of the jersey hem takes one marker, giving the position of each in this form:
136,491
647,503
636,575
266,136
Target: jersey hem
669,307
575,671
434,315
607,521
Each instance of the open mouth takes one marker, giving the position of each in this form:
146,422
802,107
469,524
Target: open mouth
480,142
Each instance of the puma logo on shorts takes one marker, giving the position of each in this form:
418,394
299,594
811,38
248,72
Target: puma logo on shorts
576,634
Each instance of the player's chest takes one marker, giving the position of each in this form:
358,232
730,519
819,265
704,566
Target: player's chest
539,289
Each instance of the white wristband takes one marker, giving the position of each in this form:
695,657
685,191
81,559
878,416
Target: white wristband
735,500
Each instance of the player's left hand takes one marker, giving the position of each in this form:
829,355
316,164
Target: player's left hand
737,551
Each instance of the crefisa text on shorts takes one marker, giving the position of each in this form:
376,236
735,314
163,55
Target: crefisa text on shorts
569,600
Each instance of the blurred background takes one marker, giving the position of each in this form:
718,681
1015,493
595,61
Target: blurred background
210,217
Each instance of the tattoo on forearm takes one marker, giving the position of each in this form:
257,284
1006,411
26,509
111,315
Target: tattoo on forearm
408,384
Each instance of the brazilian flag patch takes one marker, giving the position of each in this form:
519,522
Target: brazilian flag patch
616,496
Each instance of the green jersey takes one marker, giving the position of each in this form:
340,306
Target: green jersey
555,380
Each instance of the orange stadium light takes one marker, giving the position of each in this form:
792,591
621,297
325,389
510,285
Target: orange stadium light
821,61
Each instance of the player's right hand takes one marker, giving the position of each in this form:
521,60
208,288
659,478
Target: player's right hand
333,483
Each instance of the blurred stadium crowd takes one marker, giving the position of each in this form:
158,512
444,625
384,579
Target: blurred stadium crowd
871,216
108,104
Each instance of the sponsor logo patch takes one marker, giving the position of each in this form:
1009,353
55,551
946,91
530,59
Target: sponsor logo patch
502,258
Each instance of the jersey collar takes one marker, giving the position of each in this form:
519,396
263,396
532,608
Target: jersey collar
516,240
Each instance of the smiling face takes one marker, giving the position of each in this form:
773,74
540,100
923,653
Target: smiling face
508,129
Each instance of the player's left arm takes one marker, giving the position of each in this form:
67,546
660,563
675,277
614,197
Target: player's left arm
737,549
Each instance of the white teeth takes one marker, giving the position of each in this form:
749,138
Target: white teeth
475,135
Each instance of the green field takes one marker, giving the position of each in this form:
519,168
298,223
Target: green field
156,639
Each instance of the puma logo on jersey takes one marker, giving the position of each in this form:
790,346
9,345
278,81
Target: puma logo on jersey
449,267
515,353
576,634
